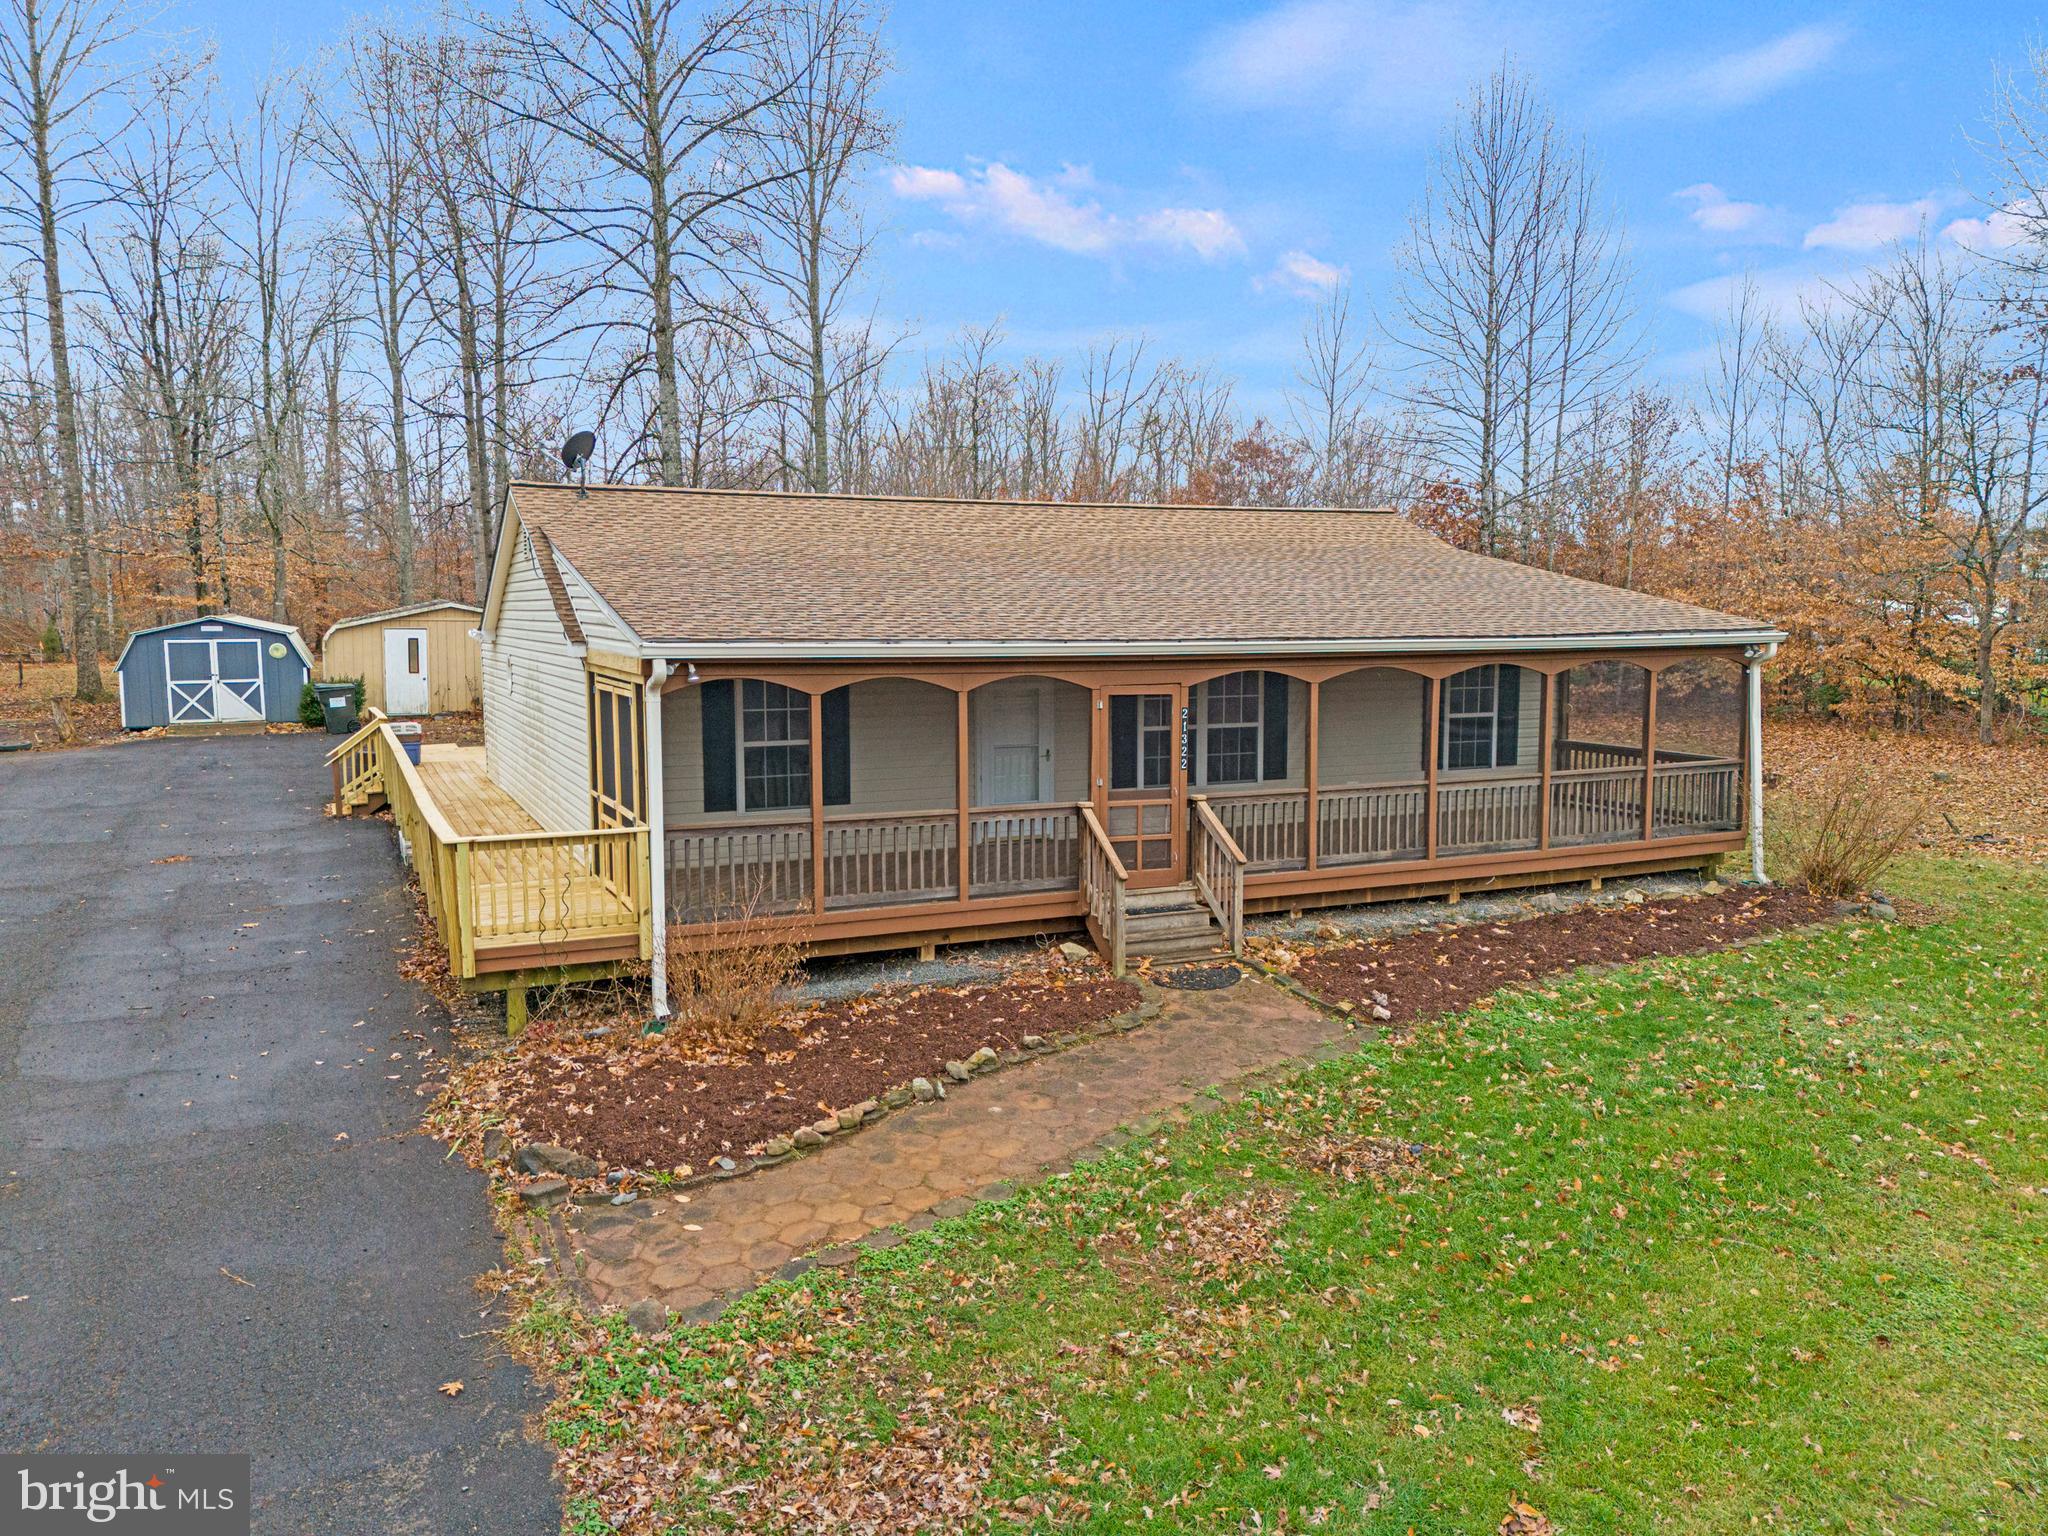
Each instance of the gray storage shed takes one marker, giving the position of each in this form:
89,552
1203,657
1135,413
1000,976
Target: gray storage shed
222,668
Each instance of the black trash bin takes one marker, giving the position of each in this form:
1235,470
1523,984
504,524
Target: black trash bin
338,704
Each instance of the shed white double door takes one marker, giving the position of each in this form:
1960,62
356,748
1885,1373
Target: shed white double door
214,680
405,672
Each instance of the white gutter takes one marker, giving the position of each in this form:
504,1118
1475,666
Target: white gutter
1753,673
786,650
657,851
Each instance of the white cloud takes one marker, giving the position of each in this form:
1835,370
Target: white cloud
1999,230
1303,275
1049,212
1869,226
1715,213
1780,292
1387,65
1730,79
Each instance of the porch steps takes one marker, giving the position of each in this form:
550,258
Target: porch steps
1173,923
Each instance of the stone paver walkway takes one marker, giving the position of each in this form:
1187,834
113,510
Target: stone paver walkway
931,1159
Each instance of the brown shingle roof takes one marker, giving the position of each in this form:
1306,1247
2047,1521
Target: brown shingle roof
723,567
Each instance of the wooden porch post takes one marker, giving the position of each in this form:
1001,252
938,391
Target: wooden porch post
1546,729
1429,757
1650,757
1313,769
960,794
817,750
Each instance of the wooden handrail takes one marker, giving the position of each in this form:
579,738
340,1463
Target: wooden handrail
372,718
1216,829
1094,826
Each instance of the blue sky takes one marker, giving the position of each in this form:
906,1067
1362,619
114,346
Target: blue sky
1195,171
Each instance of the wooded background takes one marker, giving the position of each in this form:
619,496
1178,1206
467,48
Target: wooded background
286,362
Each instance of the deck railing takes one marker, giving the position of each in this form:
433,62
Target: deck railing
1368,823
1217,865
1018,849
1596,805
1694,796
505,901
1270,826
1104,885
1489,815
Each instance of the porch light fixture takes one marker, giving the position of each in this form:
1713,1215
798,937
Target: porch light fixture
691,675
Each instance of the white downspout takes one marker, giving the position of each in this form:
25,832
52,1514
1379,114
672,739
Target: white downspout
657,849
1753,672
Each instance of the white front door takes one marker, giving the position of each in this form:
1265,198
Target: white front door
1013,744
405,671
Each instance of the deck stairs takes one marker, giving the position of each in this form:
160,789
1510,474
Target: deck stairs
1173,925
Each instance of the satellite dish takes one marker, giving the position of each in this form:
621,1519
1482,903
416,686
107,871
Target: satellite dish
577,451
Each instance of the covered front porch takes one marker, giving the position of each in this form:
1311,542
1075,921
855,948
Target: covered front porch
838,802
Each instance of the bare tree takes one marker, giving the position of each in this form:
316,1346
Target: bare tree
807,244
294,306
364,139
1512,304
659,101
58,75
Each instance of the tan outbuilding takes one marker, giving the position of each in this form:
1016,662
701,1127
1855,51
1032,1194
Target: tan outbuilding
420,660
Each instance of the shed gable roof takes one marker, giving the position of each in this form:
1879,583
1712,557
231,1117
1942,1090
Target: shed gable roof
290,633
711,568
410,610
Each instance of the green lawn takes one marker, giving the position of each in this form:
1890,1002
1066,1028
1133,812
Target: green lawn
1751,1241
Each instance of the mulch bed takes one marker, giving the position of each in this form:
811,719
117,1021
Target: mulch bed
656,1111
1423,975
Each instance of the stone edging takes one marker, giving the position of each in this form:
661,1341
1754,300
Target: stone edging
551,1190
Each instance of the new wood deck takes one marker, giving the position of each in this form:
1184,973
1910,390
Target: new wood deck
474,806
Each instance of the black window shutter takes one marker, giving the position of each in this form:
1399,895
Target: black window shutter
1123,742
1507,716
714,702
834,718
1276,725
1443,723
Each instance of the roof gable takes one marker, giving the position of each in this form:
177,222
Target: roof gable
289,632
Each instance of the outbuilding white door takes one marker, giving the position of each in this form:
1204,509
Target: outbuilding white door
214,680
405,671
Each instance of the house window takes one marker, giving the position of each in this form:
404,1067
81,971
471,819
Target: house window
775,746
1482,717
1231,728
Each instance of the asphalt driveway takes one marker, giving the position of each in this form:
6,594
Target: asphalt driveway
218,1230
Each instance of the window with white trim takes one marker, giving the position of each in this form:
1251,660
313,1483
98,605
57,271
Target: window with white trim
1232,728
775,746
1471,718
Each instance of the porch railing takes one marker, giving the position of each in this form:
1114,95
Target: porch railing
1596,805
1695,796
1366,823
1269,826
1018,849
878,861
1489,815
1104,886
1217,865
726,870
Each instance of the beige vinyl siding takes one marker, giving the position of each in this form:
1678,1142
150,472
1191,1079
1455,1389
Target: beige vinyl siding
536,704
903,735
453,659
1372,725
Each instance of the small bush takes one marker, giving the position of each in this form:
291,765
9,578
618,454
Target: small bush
53,643
310,711
723,997
1839,837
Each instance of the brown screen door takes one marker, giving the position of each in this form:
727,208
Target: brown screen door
1142,807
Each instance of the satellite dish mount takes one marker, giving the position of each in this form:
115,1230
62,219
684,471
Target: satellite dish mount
576,456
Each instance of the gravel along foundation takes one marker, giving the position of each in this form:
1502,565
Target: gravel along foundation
649,1110
1422,975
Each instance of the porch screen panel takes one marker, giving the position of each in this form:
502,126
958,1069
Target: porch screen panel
617,787
1598,725
1701,710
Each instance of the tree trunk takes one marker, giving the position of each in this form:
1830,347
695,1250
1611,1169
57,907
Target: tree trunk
88,686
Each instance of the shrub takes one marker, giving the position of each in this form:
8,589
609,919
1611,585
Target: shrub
723,997
1840,836
52,643
310,712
